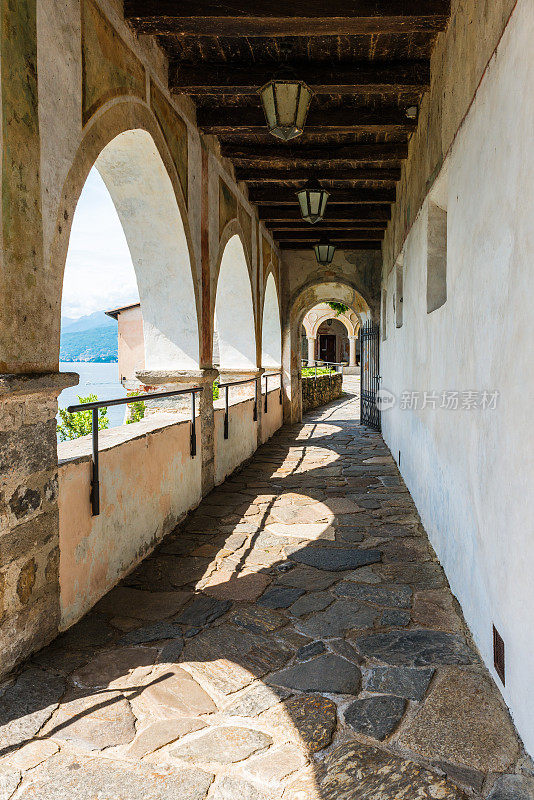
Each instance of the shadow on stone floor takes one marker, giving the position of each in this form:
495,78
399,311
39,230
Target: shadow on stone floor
294,637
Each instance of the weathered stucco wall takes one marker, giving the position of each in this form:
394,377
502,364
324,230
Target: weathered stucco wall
272,420
147,483
471,472
459,58
242,438
320,390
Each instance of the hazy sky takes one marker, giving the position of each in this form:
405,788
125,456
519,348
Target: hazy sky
99,274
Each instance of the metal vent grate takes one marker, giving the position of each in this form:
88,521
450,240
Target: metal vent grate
498,654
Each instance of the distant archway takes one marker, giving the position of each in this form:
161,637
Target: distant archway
302,302
234,334
271,340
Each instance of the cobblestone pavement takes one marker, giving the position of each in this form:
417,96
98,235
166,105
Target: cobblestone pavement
295,638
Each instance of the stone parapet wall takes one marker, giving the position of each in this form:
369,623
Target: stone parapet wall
320,390
148,482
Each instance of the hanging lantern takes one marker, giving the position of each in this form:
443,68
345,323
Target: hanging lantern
312,200
286,101
324,252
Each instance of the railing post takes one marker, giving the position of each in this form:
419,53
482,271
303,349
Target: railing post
95,482
266,393
255,412
280,395
193,448
226,412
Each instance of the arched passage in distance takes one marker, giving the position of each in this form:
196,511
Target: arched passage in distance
301,302
323,321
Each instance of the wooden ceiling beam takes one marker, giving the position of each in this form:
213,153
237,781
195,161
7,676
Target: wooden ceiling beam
333,173
230,120
343,236
349,245
296,226
292,18
339,213
274,155
284,196
245,79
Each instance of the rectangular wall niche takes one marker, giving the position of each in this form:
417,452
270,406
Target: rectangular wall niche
436,265
399,292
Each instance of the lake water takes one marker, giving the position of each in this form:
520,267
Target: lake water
100,379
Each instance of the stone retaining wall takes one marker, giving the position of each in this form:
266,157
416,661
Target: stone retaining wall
320,390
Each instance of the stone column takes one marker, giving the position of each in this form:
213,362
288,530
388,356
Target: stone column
29,526
311,351
167,380
352,350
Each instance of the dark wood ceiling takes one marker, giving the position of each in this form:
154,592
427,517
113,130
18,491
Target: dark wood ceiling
367,62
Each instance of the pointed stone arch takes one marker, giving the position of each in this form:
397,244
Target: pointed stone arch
233,309
126,146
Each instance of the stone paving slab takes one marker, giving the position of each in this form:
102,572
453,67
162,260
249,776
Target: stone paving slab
77,778
293,639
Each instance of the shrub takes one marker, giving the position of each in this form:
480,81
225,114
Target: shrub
136,411
72,426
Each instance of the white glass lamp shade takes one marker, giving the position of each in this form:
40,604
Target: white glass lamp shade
312,200
324,253
286,104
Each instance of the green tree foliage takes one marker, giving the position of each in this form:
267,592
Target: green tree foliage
72,426
308,372
216,391
136,410
339,308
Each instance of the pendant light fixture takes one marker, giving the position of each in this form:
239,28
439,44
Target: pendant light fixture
324,252
312,200
285,101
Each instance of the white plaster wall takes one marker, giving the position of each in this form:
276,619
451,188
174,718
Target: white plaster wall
471,473
242,438
234,314
142,193
272,420
271,342
148,481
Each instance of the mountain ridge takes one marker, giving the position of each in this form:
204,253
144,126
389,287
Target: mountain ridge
93,337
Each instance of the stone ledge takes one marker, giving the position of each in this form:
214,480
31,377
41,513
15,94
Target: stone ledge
164,377
39,382
79,450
